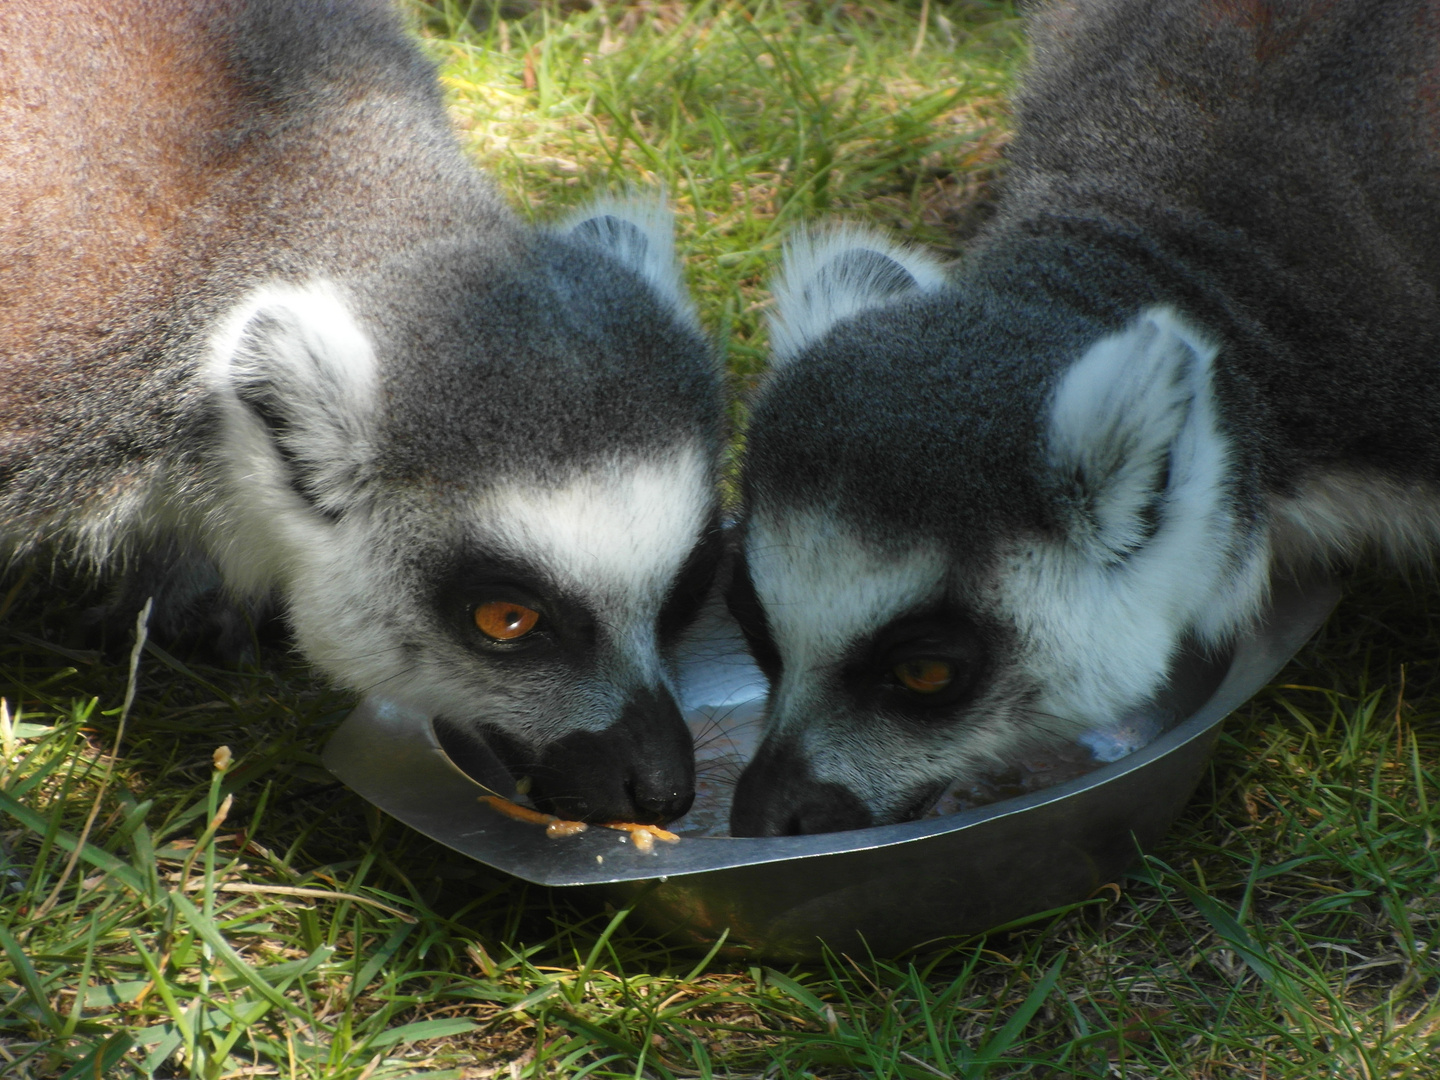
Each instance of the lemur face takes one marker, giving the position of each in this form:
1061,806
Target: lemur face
538,622
956,552
532,614
896,671
485,482
885,684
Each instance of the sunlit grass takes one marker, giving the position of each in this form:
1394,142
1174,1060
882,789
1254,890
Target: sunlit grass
755,118
258,920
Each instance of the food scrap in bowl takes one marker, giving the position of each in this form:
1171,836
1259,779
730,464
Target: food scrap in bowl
643,836
558,828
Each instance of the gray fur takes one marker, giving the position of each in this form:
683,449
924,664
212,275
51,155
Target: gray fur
1256,182
265,314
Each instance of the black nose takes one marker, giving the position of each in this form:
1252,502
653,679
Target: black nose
778,795
640,768
660,757
659,804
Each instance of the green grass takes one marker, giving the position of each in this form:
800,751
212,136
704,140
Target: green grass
163,916
755,118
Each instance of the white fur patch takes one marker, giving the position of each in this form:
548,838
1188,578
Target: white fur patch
303,345
1100,630
617,534
830,276
651,254
824,589
1117,413
345,592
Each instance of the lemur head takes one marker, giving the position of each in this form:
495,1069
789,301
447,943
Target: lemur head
969,527
483,479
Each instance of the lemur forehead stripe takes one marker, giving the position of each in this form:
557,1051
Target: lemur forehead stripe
617,533
824,588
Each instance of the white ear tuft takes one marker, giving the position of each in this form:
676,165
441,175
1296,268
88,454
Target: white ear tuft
640,232
297,379
1115,419
841,272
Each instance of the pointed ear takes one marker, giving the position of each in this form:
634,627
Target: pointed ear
297,381
1126,428
831,276
640,233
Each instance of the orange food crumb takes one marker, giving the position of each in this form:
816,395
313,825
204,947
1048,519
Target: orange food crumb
555,828
559,828
516,811
642,836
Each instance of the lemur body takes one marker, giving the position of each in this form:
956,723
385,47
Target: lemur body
1199,342
260,317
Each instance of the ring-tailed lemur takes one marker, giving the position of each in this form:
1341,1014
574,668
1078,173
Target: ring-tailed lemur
1200,339
260,313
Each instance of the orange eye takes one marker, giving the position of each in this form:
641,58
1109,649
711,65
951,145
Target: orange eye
505,621
924,676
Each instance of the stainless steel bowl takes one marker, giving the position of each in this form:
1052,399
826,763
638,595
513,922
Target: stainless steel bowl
885,889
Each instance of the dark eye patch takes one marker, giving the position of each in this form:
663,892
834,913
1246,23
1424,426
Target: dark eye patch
947,634
749,613
476,578
692,585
